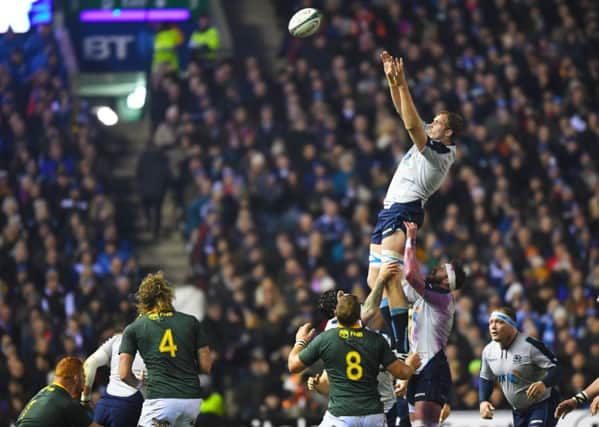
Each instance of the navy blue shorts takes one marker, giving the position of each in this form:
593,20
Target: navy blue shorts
391,219
539,415
391,415
433,384
115,411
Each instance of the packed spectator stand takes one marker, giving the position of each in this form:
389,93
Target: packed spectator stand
278,177
66,274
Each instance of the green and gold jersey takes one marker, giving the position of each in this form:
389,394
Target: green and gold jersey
168,343
52,406
352,359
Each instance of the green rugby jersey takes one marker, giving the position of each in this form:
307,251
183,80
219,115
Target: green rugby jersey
53,406
168,343
352,359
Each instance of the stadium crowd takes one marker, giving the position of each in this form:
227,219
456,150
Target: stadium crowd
282,176
65,273
279,176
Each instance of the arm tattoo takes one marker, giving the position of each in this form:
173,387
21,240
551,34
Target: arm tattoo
374,297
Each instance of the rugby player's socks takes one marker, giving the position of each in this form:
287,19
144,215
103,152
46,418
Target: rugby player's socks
399,329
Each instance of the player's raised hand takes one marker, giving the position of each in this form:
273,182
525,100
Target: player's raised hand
305,332
411,229
399,68
535,390
401,388
388,64
486,410
313,382
413,361
564,408
389,269
595,406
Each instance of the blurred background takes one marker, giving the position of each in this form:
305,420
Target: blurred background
198,137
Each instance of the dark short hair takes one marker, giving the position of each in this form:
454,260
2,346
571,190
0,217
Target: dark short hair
508,311
348,310
455,122
460,274
327,303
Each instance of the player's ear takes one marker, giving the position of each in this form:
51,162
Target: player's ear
448,132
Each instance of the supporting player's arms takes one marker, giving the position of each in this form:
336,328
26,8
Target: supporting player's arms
125,371
411,268
205,359
371,304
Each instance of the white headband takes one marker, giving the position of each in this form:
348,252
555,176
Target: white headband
450,276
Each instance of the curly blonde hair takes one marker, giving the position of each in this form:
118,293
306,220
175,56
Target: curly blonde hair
155,294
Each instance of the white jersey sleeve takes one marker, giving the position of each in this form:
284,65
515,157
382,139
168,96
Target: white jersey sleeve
101,357
439,155
485,370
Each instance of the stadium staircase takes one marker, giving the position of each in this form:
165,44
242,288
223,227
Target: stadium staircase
166,253
257,31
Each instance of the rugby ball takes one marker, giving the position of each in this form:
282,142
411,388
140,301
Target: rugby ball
305,22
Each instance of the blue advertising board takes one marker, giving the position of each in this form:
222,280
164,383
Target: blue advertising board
113,47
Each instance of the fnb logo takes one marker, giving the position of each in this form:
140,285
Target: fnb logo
14,15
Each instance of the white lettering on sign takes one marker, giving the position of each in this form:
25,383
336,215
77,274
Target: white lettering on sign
101,48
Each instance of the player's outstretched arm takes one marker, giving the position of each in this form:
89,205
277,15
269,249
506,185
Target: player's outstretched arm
404,370
411,268
371,304
580,398
409,113
484,394
392,79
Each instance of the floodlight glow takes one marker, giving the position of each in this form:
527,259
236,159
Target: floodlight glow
137,98
107,116
15,15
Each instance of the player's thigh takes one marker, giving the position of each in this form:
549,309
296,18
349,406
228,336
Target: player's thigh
189,409
374,420
427,411
374,264
158,413
394,242
126,411
102,413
